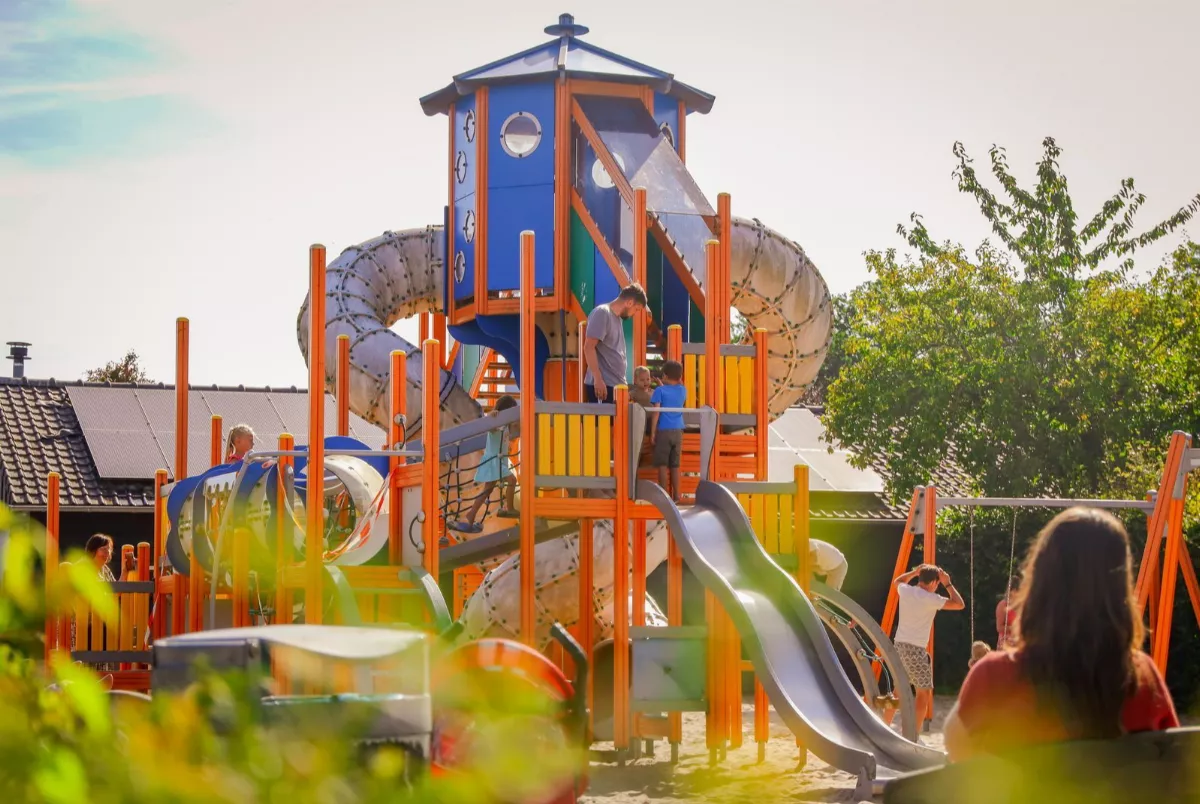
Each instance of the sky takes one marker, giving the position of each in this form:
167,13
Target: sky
165,158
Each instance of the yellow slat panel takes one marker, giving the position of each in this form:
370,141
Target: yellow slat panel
97,637
744,501
756,516
589,446
733,388
558,431
604,446
746,380
701,393
771,523
83,618
125,636
786,531
544,445
689,381
574,445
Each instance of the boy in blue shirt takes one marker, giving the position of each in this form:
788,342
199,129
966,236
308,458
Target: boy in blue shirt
666,429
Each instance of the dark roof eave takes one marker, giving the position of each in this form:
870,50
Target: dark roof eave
439,102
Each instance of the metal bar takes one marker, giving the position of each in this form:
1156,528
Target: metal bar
584,408
112,656
569,482
119,587
738,350
738,420
1038,502
692,348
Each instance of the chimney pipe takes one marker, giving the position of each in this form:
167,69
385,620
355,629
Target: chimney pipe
18,353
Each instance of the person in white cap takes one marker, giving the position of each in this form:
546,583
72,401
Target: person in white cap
827,560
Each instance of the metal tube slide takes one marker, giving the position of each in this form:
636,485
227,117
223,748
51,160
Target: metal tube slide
785,638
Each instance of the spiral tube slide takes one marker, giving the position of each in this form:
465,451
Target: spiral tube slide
371,286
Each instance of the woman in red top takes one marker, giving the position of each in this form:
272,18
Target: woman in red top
1078,671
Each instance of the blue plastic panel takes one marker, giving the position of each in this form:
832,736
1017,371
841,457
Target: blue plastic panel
675,299
511,211
666,110
464,288
468,147
503,333
613,217
536,168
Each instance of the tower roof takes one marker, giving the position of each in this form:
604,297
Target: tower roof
565,55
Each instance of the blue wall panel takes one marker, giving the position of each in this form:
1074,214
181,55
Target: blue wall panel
464,288
511,211
469,148
537,167
666,110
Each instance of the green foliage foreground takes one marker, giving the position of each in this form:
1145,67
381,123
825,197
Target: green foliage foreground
210,743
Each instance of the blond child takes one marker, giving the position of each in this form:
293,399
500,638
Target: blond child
978,651
640,392
240,441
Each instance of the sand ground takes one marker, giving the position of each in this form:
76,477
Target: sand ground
740,778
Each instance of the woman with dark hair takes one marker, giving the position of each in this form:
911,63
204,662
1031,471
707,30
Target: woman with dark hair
100,550
1078,671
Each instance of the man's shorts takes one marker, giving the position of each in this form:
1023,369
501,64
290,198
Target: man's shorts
667,446
917,664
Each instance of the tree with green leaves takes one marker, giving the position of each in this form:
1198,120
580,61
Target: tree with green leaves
127,369
1043,364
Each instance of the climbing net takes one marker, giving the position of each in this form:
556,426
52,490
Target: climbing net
460,490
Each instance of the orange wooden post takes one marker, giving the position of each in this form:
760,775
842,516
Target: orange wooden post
902,559
216,455
284,547
53,482
528,460
620,452
142,605
399,406
714,392
431,441
674,559
1158,518
439,335
1173,557
343,385
423,325
314,504
185,588
930,547
723,285
762,391
159,628
800,537
639,270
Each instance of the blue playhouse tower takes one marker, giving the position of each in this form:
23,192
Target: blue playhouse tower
554,139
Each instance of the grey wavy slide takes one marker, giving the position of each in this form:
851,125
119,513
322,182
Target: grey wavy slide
785,639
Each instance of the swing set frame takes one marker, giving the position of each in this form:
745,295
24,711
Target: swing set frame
1164,558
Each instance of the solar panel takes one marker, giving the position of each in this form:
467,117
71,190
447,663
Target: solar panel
130,432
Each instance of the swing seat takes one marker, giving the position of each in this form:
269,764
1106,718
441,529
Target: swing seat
1159,767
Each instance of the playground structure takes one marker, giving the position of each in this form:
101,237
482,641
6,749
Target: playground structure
587,192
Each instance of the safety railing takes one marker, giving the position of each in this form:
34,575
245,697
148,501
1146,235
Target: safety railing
574,445
740,386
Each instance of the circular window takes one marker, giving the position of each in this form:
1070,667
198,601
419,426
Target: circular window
665,128
520,134
468,228
460,167
460,266
600,175
469,126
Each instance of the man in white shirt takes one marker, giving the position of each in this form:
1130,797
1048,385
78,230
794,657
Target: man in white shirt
919,604
825,559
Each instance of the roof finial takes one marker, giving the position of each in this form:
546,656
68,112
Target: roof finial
566,27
